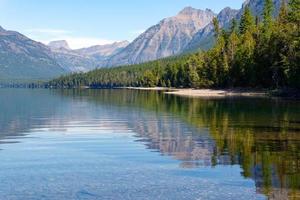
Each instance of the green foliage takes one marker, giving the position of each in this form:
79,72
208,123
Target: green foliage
216,27
294,14
283,14
247,21
262,54
268,15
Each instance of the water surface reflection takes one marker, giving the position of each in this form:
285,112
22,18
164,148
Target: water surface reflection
261,136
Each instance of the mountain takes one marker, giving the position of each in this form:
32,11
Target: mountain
60,44
24,59
257,6
190,30
167,38
85,59
103,52
204,39
72,61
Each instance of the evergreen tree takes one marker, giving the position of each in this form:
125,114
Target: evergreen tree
234,26
268,18
232,47
278,48
294,12
247,21
283,14
216,27
293,57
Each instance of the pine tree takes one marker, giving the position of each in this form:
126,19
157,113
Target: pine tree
216,27
294,12
283,13
268,18
294,46
234,26
232,45
247,21
246,59
193,76
278,48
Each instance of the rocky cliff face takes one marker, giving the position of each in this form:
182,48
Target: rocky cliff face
167,38
24,59
203,39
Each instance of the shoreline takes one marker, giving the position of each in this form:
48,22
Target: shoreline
235,92
287,93
207,92
219,93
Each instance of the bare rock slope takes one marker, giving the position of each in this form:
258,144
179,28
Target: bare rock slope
167,38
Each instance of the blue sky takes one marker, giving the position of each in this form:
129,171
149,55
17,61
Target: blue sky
87,22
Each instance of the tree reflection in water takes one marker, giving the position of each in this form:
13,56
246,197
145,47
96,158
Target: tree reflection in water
262,136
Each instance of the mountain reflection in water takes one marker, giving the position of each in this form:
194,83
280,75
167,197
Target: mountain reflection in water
262,136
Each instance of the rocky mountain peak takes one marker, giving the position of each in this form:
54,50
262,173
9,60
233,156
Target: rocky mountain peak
122,43
190,11
226,15
257,6
164,39
59,44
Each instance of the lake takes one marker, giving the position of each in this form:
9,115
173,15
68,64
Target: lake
125,144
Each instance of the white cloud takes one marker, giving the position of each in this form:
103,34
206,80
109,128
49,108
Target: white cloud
47,35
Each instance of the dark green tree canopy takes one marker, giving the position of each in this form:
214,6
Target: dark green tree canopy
247,21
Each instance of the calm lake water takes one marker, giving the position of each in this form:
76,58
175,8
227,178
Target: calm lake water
121,144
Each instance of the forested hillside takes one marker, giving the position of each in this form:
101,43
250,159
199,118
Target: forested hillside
254,52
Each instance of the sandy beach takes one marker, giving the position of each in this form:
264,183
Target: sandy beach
207,92
217,93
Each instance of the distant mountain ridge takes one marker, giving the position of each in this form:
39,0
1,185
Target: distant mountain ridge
24,59
85,59
103,52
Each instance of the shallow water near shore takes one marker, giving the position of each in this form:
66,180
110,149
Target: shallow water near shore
130,144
